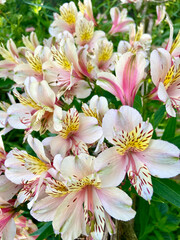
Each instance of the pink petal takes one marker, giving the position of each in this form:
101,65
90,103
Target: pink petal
69,217
38,148
161,158
59,145
45,209
117,203
89,131
111,167
130,71
140,177
160,61
7,188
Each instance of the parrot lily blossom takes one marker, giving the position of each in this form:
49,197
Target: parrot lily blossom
77,130
129,73
166,77
83,203
135,152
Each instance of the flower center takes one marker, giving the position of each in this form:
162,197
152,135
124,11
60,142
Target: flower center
35,62
105,50
31,163
61,58
90,180
68,14
171,77
85,30
135,141
176,43
56,189
70,123
91,113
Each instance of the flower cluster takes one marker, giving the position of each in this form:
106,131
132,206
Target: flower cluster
73,178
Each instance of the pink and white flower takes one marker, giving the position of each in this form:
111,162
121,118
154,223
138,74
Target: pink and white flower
166,77
83,202
130,70
65,21
12,59
77,131
134,152
120,21
86,10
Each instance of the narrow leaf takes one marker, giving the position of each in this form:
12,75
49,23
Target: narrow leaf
170,129
158,116
167,189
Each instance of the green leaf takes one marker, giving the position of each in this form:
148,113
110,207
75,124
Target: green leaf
167,189
158,116
142,217
45,228
170,129
137,103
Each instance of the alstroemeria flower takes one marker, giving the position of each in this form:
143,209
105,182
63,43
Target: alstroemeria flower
130,70
135,152
12,59
14,116
161,11
77,131
86,10
138,41
65,21
30,43
97,108
44,110
83,203
67,73
104,56
7,224
3,118
120,20
85,33
33,67
24,227
166,77
27,170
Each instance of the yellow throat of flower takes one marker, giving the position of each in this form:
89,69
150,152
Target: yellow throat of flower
105,51
85,30
68,14
176,43
61,58
34,62
171,77
135,141
70,124
31,163
90,180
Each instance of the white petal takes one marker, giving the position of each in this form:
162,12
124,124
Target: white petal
111,167
162,159
117,203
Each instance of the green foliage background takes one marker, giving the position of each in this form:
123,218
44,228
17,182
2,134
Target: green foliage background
160,220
